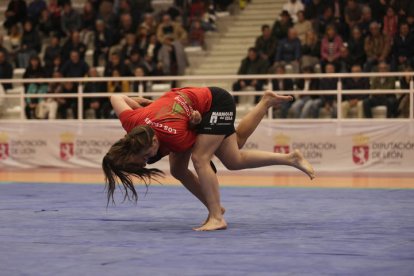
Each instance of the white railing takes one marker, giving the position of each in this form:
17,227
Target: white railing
209,81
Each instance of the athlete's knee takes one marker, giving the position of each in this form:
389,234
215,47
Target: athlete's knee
200,160
177,172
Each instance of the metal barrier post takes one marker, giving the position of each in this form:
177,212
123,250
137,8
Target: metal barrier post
411,99
22,104
80,101
339,99
270,110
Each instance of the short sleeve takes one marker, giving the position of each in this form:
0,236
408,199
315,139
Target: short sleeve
126,119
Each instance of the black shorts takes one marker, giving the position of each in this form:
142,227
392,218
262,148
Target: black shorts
219,120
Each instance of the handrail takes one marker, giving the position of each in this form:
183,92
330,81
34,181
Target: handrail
80,94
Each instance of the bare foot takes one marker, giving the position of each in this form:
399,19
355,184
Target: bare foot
223,210
302,164
213,224
272,99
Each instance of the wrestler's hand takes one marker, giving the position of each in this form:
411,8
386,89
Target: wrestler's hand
143,101
195,118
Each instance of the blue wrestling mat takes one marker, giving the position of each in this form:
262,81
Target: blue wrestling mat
65,229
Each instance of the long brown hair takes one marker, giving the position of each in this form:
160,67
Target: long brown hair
118,166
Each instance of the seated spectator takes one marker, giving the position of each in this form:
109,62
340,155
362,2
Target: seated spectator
293,7
118,86
389,100
16,12
252,64
390,28
55,10
52,51
68,107
88,18
30,45
376,47
345,60
353,13
404,99
327,103
302,107
34,71
302,26
326,20
139,86
70,19
311,50
378,8
338,9
149,24
410,22
169,28
356,47
46,25
143,39
129,46
330,47
366,20
74,44
314,10
289,51
3,48
281,27
403,49
34,9
151,53
56,66
75,67
266,44
137,61
6,70
403,8
93,108
172,57
196,35
209,18
49,106
114,63
282,85
126,26
354,100
103,40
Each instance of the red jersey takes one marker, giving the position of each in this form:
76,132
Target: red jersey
169,117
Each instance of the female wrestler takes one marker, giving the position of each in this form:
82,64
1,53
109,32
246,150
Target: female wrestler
162,128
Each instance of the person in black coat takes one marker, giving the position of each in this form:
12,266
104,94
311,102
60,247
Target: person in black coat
33,71
6,70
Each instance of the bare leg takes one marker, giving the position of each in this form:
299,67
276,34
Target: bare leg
236,159
202,152
179,170
249,122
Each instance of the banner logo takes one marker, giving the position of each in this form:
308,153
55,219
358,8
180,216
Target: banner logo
4,146
67,147
282,143
360,149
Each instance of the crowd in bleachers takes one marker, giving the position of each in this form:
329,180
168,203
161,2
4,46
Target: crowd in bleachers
55,39
336,36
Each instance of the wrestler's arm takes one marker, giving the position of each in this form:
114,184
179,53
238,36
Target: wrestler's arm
121,103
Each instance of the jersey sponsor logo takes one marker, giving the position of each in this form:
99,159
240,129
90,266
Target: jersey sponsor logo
213,119
183,103
220,117
160,126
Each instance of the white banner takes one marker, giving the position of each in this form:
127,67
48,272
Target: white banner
329,146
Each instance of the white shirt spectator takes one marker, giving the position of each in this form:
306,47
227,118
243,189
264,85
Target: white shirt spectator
292,7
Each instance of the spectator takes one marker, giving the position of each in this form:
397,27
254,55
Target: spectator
3,48
338,9
16,12
376,47
410,22
327,19
293,7
143,39
366,20
30,44
55,11
353,13
379,8
196,35
56,66
330,47
6,70
266,44
172,58
390,24
118,86
281,27
74,44
345,61
103,41
403,49
404,8
70,19
106,14
171,29
350,101
93,108
52,51
356,47
314,10
326,102
282,85
149,24
404,99
34,10
49,106
208,19
302,26
33,70
253,64
115,63
88,18
45,25
126,26
151,54
15,39
302,107
74,67
389,100
311,50
139,86
137,61
289,51
68,107
129,46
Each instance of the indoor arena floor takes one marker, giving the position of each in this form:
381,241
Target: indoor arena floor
66,229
